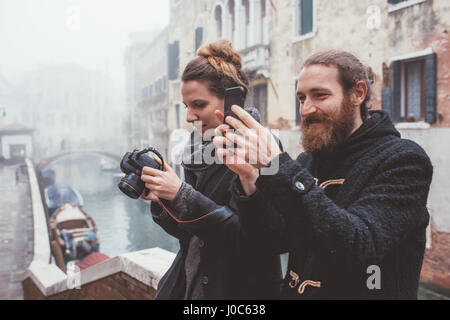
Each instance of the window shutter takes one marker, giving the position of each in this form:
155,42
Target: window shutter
177,115
430,83
298,115
174,60
170,61
198,37
396,90
177,58
386,101
307,16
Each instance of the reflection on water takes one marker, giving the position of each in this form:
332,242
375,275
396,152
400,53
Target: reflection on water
124,225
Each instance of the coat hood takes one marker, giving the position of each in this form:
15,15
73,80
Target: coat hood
378,125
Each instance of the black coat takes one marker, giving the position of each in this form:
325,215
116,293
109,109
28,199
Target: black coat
231,267
341,213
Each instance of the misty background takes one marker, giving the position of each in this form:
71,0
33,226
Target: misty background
91,33
62,72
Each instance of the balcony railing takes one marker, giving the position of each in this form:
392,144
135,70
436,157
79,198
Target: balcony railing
256,59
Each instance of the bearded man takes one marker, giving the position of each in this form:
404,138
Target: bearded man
350,210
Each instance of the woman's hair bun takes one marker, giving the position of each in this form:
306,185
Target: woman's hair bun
219,65
221,50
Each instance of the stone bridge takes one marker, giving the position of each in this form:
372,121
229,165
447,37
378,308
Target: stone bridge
45,162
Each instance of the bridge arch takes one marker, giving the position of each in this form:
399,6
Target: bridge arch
46,162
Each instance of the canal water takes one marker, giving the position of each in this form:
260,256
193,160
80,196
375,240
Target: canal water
124,224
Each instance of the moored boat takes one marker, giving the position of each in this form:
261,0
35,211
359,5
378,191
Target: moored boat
74,236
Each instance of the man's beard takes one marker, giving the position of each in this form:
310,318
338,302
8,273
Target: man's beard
333,130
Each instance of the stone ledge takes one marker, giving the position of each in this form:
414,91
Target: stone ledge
41,239
147,266
419,125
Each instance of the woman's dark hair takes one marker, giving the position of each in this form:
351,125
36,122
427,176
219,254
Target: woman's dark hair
219,66
351,71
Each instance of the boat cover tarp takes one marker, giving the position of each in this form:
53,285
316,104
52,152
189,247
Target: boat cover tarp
68,213
58,194
91,260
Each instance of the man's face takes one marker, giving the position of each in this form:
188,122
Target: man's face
328,116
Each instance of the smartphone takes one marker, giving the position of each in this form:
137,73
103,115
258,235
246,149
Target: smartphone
233,96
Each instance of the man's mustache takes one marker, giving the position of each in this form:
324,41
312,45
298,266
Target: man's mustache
315,118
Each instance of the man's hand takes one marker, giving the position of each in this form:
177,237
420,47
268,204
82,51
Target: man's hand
256,145
162,184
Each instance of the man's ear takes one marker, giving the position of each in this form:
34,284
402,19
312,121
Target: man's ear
359,93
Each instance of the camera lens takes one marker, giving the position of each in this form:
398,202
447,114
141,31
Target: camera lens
132,186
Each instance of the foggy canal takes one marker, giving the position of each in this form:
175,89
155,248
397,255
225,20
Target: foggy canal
124,224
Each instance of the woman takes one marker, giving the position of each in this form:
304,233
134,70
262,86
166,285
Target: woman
216,260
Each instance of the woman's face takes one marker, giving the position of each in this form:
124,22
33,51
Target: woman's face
201,105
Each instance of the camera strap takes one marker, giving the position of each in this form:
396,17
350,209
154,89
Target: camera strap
182,221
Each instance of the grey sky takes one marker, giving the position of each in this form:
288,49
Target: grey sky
42,32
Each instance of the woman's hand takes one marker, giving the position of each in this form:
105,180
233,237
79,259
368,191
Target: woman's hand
162,184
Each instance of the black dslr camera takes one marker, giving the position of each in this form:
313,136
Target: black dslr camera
132,164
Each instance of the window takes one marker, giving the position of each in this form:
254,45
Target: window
232,15
396,1
395,5
304,17
17,151
412,104
263,8
177,115
412,95
218,20
246,32
257,97
198,37
246,5
147,92
165,84
174,60
260,99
